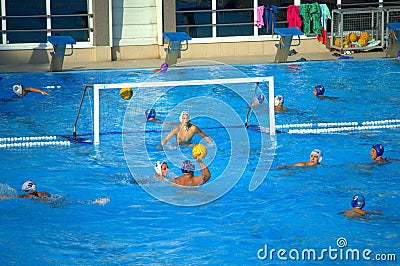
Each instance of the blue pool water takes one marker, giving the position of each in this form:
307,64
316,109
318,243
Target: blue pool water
293,209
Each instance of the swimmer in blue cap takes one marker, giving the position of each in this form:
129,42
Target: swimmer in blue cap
21,91
377,153
319,91
357,204
258,99
188,178
150,115
184,132
315,158
398,55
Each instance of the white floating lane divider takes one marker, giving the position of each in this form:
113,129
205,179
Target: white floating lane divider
28,142
336,127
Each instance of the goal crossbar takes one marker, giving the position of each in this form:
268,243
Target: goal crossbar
147,84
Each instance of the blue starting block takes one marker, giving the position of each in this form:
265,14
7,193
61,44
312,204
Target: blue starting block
175,48
285,42
57,56
394,39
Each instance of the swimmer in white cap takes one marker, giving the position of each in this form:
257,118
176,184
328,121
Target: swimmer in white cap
21,91
188,178
278,102
184,132
161,169
29,187
315,158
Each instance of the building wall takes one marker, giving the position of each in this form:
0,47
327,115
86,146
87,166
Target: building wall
134,23
135,33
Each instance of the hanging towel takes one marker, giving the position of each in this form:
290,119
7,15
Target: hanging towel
271,11
304,11
260,19
325,15
315,13
293,17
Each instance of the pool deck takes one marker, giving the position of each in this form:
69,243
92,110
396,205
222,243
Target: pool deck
155,63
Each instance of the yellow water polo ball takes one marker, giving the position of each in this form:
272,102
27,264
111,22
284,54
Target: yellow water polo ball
199,151
363,42
353,37
365,35
126,93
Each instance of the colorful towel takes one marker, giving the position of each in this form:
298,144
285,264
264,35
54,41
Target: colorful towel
325,15
311,14
271,12
304,11
316,18
260,19
293,17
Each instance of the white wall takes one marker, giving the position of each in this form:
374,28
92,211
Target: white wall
134,22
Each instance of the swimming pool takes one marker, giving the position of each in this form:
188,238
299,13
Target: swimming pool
293,209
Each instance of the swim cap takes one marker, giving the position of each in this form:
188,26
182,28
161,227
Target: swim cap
150,113
157,167
260,98
398,53
318,153
279,100
358,201
187,167
182,114
320,90
164,67
379,150
17,89
29,186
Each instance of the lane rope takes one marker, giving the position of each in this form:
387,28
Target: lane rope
27,142
335,127
304,128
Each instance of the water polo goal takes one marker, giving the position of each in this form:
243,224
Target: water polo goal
138,86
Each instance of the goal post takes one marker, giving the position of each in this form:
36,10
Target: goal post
98,87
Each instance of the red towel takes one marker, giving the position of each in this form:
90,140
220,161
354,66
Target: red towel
293,17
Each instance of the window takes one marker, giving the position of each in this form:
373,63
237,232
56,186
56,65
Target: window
26,21
70,18
31,21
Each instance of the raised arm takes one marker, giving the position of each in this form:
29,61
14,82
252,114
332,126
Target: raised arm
36,90
205,173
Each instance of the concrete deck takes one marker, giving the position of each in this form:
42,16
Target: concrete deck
155,63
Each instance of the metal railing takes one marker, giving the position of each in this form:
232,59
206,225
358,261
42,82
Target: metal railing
48,30
226,24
